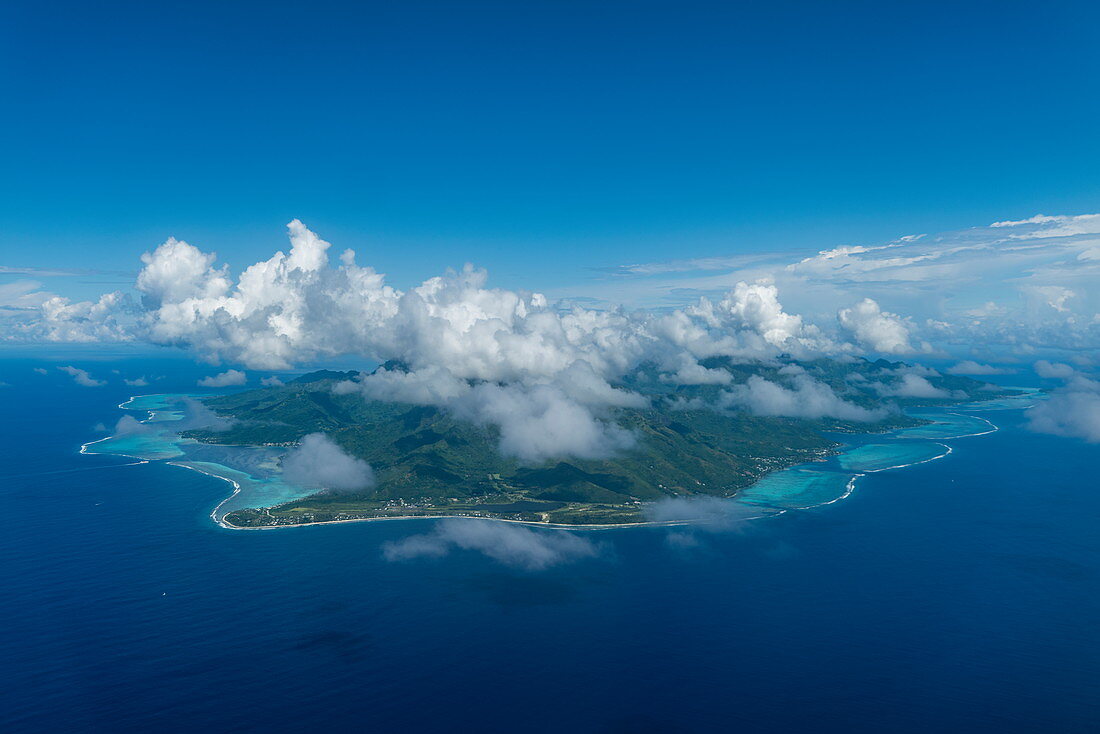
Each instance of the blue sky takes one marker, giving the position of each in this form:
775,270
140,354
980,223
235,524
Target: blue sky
537,140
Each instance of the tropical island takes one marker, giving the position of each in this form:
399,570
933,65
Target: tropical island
430,463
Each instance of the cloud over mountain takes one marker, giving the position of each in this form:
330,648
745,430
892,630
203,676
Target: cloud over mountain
544,374
805,398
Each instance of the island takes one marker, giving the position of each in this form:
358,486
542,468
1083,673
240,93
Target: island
429,463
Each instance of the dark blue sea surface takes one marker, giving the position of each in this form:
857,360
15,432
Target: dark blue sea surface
957,595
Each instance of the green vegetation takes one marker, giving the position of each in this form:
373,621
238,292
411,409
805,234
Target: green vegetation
429,463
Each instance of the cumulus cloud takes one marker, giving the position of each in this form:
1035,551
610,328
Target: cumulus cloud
875,329
137,381
81,377
1032,283
1054,370
970,367
229,378
1073,410
40,371
806,398
556,364
541,375
319,463
272,381
512,545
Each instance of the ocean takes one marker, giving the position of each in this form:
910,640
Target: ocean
956,594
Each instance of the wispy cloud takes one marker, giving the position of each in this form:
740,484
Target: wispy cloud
1013,285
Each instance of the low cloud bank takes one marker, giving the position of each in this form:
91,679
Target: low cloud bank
319,463
1072,410
512,545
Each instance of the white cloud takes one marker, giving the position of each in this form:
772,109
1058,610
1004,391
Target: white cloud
512,545
1022,287
272,381
693,373
128,425
970,367
177,272
428,386
1073,410
542,422
81,377
229,378
1037,219
199,416
1060,226
1054,370
807,398
319,463
708,512
875,329
137,381
912,386
1054,297
999,286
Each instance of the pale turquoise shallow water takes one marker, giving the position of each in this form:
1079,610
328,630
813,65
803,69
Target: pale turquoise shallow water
825,482
252,472
256,481
797,488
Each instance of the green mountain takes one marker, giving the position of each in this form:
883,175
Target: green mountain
427,462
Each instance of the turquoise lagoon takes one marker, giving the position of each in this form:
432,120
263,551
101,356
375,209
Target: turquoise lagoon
254,473
825,482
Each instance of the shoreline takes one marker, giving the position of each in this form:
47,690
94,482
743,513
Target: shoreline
776,511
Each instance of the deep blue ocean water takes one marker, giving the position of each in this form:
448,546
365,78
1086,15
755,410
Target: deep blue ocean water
958,595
